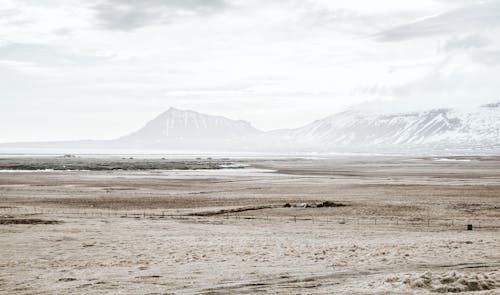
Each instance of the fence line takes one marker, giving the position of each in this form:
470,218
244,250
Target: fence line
365,220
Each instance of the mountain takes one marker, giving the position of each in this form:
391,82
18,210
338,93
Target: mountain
437,131
432,130
186,129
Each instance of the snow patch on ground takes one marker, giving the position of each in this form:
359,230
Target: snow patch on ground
451,160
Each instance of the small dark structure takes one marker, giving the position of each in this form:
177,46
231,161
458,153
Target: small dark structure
469,226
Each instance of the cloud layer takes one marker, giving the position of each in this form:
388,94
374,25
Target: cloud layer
129,14
478,16
69,67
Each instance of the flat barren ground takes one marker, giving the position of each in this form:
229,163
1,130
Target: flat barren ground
282,226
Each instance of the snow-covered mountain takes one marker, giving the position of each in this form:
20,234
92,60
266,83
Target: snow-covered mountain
431,131
186,129
439,129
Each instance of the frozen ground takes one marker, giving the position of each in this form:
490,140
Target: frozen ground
401,231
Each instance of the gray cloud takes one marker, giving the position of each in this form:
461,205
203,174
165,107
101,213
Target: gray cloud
466,42
14,17
439,86
128,15
478,16
29,53
487,57
43,55
8,13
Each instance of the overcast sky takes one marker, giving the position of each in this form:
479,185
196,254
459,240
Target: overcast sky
74,69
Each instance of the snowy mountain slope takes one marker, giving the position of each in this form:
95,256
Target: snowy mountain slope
434,128
481,125
445,131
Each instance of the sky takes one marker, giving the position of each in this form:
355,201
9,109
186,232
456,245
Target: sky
100,69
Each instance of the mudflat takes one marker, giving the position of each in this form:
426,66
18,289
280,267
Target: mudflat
346,225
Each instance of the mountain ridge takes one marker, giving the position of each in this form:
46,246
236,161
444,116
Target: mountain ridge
434,130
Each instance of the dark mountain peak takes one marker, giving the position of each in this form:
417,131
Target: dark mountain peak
176,127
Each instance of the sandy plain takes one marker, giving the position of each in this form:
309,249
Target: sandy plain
393,225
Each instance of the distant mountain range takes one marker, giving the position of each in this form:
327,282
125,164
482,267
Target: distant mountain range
433,130
437,131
